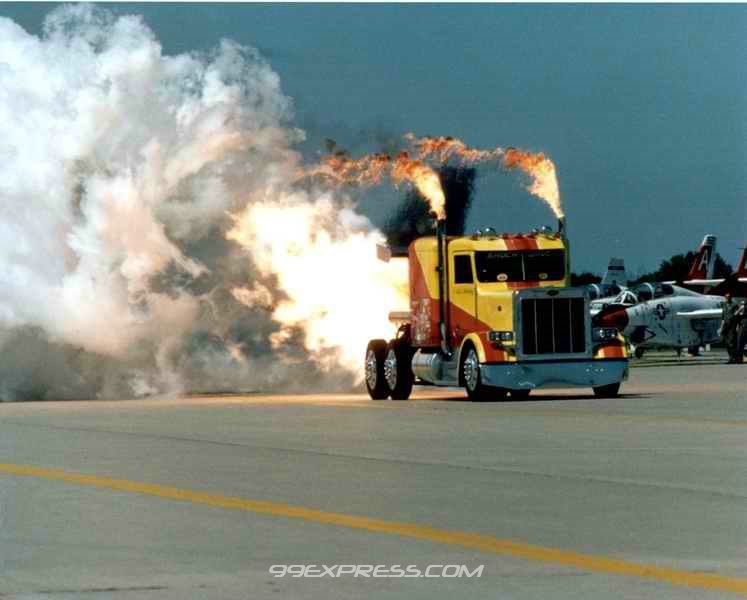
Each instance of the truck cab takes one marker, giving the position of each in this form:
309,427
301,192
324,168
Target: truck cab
494,313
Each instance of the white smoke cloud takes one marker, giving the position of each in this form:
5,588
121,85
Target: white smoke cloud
118,168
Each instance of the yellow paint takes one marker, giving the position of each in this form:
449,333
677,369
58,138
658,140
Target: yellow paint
426,251
475,339
495,308
462,539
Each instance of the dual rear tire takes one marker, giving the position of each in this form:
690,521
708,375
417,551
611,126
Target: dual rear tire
388,369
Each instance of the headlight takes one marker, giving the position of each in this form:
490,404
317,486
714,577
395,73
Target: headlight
604,334
501,336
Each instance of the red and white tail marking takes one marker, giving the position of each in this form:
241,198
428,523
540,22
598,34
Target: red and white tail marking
742,265
703,263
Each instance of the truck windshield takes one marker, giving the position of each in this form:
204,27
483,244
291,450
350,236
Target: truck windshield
530,265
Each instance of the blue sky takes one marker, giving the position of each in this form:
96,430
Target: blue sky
643,108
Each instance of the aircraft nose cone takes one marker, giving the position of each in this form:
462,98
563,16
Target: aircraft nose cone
617,318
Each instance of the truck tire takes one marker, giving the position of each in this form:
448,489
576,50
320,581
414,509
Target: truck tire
471,378
607,391
398,369
374,370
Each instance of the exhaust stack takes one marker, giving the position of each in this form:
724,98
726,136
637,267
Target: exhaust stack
443,287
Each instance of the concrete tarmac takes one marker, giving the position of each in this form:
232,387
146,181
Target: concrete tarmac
559,496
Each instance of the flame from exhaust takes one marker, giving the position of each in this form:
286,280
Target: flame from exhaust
446,148
542,171
372,168
538,166
333,286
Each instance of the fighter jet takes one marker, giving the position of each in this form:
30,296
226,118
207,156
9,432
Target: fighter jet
614,291
668,315
673,317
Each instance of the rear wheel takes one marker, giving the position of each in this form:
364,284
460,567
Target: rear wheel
607,391
469,373
374,370
398,370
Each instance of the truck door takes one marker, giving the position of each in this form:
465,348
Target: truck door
462,298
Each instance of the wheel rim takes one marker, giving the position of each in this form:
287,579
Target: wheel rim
471,370
371,369
390,369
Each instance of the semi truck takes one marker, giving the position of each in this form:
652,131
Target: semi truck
495,314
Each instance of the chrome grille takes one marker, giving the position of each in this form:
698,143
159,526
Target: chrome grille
553,325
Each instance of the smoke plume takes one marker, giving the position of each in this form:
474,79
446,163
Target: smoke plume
413,218
134,255
162,234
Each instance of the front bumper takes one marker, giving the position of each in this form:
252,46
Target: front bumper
528,375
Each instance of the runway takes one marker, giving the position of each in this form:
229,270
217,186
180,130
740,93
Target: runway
560,496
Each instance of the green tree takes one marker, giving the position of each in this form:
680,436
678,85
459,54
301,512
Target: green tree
584,278
678,266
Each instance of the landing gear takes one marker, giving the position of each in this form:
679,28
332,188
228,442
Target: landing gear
520,394
607,391
638,352
694,350
471,378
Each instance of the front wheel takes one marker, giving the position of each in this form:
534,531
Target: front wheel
607,391
374,370
398,370
472,379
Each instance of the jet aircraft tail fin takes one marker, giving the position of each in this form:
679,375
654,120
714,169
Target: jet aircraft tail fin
615,274
705,259
742,264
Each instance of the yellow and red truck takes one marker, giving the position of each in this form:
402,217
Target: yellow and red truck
494,313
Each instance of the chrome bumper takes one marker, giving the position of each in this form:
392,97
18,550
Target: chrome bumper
528,375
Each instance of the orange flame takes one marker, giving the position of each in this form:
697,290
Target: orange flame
445,148
426,180
372,168
539,167
542,171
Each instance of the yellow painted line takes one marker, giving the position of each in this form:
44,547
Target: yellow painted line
473,541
